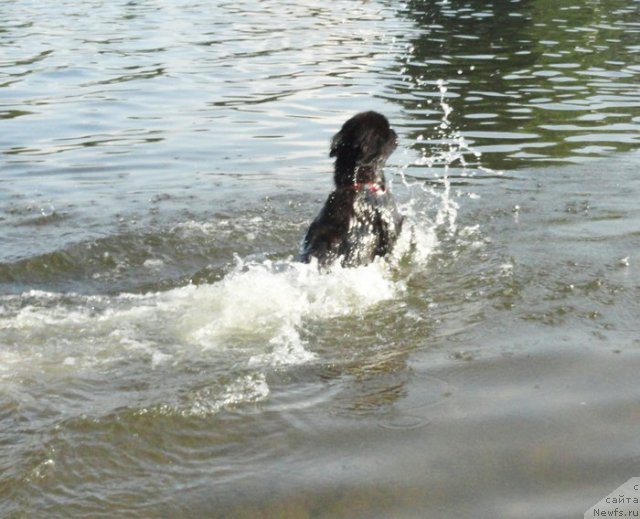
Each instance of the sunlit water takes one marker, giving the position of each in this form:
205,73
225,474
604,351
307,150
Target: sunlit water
163,355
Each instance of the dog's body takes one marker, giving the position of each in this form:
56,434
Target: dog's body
359,220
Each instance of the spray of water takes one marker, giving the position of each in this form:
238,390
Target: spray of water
249,322
432,208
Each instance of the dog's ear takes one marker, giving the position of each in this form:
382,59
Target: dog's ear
363,140
336,143
346,146
360,145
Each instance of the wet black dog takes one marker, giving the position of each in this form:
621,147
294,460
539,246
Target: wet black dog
359,220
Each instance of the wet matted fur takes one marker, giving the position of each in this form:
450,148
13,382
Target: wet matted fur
359,220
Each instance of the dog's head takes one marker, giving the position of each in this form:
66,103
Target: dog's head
361,148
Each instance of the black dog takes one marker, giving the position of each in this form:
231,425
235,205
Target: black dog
359,220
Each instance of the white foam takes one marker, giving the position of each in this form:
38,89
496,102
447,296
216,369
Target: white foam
256,314
254,318
153,264
268,302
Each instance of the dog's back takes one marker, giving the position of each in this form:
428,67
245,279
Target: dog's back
359,220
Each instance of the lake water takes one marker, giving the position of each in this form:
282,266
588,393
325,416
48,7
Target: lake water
163,355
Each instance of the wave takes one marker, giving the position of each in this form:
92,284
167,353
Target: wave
252,319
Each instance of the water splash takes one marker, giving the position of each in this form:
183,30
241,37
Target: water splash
254,319
449,147
446,151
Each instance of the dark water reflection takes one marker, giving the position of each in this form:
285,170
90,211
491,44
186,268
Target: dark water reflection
530,82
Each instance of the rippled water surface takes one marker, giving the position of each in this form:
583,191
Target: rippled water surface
163,355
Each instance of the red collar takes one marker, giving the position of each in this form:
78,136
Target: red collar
371,186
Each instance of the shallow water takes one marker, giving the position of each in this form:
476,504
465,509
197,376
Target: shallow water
162,355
